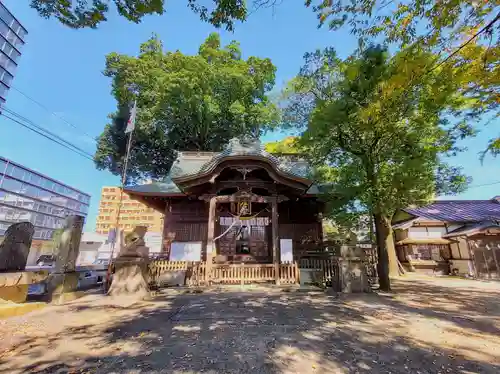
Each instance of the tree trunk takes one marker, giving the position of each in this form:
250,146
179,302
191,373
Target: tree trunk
387,265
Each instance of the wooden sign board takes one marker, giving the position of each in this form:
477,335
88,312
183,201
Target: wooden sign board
244,208
254,221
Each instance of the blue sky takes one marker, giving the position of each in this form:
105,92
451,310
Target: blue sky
61,68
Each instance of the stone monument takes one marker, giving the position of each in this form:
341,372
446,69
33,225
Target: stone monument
353,276
15,247
14,279
131,266
63,282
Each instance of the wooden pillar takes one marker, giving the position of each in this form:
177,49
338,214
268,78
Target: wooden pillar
493,249
486,262
210,238
276,254
472,258
167,235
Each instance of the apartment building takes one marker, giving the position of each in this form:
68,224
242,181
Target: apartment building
12,38
132,213
28,196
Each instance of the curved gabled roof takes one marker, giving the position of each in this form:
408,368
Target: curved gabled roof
190,165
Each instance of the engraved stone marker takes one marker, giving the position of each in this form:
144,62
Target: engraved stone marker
69,245
15,247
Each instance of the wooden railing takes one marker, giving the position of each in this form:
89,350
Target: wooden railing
242,273
327,269
156,268
289,273
225,273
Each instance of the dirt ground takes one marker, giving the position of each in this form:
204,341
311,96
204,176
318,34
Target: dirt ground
427,325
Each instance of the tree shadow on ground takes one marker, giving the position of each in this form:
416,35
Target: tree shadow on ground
468,307
272,332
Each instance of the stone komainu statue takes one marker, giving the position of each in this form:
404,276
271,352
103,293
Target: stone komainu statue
135,244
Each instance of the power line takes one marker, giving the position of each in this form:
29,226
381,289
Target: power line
485,184
75,149
55,114
484,29
41,128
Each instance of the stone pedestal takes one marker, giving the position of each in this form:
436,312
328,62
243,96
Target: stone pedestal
14,285
14,291
130,277
62,287
353,277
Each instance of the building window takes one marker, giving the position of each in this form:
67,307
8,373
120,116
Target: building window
3,91
6,16
7,63
5,76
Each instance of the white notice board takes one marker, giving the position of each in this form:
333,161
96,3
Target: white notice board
286,250
185,251
153,241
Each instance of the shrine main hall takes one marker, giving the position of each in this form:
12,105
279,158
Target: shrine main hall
242,205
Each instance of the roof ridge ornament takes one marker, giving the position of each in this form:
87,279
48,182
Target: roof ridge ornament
244,143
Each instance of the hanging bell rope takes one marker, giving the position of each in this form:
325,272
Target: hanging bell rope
228,229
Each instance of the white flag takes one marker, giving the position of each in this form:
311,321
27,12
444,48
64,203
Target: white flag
131,120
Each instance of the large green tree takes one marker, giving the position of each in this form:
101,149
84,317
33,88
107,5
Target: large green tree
91,13
184,103
378,134
461,33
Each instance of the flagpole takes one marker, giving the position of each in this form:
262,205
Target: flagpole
130,130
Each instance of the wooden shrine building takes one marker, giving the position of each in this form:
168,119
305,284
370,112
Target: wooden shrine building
240,205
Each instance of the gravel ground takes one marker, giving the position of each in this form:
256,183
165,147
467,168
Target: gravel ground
427,325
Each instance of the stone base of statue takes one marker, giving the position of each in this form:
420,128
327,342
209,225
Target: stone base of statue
130,277
14,291
353,277
62,287
14,285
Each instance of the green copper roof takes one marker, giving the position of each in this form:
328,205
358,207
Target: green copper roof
166,186
189,163
192,163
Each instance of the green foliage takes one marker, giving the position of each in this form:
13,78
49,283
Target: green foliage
349,231
463,34
377,133
289,145
385,133
338,233
185,103
407,21
90,13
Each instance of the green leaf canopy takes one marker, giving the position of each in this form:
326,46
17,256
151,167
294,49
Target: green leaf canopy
184,103
91,13
375,126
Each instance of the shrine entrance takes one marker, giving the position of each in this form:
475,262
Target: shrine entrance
234,208
244,240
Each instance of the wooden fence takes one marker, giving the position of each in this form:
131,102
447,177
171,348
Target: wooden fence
224,273
326,268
